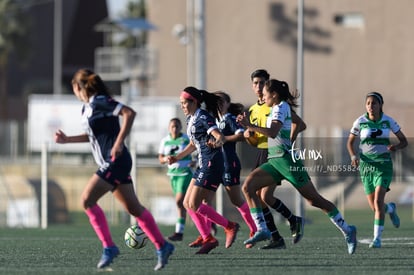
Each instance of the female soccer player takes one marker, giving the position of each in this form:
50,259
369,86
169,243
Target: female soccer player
281,166
258,114
207,139
100,119
180,173
374,159
233,133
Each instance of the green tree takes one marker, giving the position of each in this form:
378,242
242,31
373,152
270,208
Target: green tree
14,29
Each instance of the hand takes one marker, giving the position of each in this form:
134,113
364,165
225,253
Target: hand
248,133
392,148
171,160
354,161
60,137
243,120
116,151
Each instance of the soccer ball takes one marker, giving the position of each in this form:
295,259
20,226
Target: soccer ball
135,238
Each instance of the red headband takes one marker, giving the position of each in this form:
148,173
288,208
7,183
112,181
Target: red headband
186,95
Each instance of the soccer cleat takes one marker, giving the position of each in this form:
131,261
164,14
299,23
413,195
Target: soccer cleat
250,245
176,237
275,244
297,230
376,243
108,254
163,254
208,244
351,240
259,236
231,233
197,243
393,215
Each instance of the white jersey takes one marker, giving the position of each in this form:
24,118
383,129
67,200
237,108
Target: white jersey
281,144
374,137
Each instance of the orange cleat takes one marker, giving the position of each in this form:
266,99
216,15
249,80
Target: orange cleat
231,233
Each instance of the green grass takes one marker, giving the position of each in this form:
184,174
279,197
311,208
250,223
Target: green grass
74,249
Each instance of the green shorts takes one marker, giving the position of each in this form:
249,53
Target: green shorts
179,184
375,174
283,168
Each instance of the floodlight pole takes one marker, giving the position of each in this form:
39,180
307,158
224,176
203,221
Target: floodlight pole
44,186
57,47
199,43
299,84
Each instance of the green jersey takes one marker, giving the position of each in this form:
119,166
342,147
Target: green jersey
281,144
374,137
171,147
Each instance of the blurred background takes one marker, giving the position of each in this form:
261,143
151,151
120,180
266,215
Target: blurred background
147,51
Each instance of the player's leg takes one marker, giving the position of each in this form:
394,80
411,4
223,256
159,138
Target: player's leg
255,181
94,190
125,194
235,196
205,240
296,223
309,192
200,194
277,241
179,186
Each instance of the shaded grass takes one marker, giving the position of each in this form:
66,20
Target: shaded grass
74,249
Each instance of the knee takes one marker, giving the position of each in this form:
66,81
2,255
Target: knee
180,204
268,198
248,188
186,205
86,202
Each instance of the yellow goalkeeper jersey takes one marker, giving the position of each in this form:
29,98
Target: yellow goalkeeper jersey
258,116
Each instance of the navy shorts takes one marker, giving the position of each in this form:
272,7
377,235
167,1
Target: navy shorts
117,172
231,175
209,177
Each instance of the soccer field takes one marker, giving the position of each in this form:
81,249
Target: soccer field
74,249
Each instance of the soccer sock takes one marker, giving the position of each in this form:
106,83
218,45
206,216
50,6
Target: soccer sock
270,223
280,207
258,218
98,221
203,227
245,213
179,226
209,212
147,223
378,228
336,218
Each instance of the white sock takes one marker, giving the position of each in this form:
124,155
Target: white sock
339,222
259,220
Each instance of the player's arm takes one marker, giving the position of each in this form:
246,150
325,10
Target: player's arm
128,116
218,140
298,125
234,138
350,147
162,159
187,151
272,131
402,142
61,137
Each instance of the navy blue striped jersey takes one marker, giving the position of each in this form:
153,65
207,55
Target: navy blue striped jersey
228,126
199,127
101,123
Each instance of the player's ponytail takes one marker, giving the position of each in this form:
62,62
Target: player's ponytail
282,89
212,103
91,82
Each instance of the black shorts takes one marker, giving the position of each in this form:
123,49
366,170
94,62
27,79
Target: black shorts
117,172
